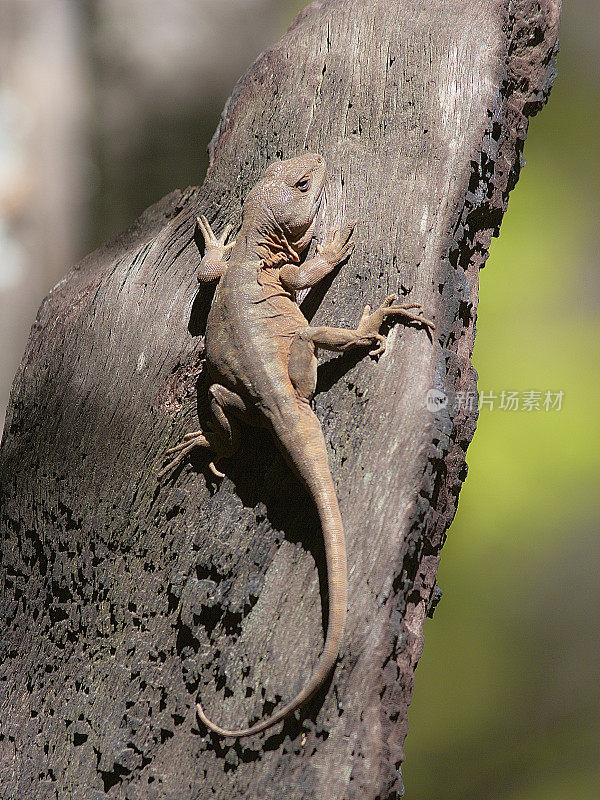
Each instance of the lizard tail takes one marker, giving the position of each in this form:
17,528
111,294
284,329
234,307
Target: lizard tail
304,446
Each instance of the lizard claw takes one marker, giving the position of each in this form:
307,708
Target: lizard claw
216,472
203,226
210,240
338,245
377,351
190,441
183,451
405,311
223,237
368,327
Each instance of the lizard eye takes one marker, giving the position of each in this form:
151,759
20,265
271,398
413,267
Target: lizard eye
303,184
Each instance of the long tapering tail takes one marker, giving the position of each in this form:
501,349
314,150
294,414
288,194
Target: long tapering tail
302,441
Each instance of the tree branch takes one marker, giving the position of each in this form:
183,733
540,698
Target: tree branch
125,597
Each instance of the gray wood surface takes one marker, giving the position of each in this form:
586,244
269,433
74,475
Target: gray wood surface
125,597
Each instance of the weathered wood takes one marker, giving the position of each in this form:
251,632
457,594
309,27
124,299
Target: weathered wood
124,597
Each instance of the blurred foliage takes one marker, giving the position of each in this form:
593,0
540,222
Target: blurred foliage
507,696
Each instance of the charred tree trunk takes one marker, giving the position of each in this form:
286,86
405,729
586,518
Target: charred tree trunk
124,597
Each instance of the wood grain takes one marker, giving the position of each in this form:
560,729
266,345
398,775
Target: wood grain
124,597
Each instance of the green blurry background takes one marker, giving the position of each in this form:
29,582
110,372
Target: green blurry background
507,695
506,703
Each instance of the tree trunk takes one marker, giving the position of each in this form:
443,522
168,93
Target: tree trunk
125,598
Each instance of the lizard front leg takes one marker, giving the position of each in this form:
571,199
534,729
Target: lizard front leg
213,264
337,248
302,359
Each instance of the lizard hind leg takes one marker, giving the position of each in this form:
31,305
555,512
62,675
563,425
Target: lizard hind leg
225,405
222,438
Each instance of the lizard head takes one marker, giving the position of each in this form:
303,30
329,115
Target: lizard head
283,205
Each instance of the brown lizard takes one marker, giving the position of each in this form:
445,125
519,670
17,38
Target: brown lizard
261,354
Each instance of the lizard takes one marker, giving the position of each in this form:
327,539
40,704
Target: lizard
261,355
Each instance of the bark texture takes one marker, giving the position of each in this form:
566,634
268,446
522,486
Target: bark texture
124,597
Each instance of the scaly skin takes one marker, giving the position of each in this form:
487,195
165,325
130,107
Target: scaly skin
261,355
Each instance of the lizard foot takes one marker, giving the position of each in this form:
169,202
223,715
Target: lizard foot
371,321
338,245
190,441
216,245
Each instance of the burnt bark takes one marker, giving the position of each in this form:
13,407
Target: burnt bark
125,597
